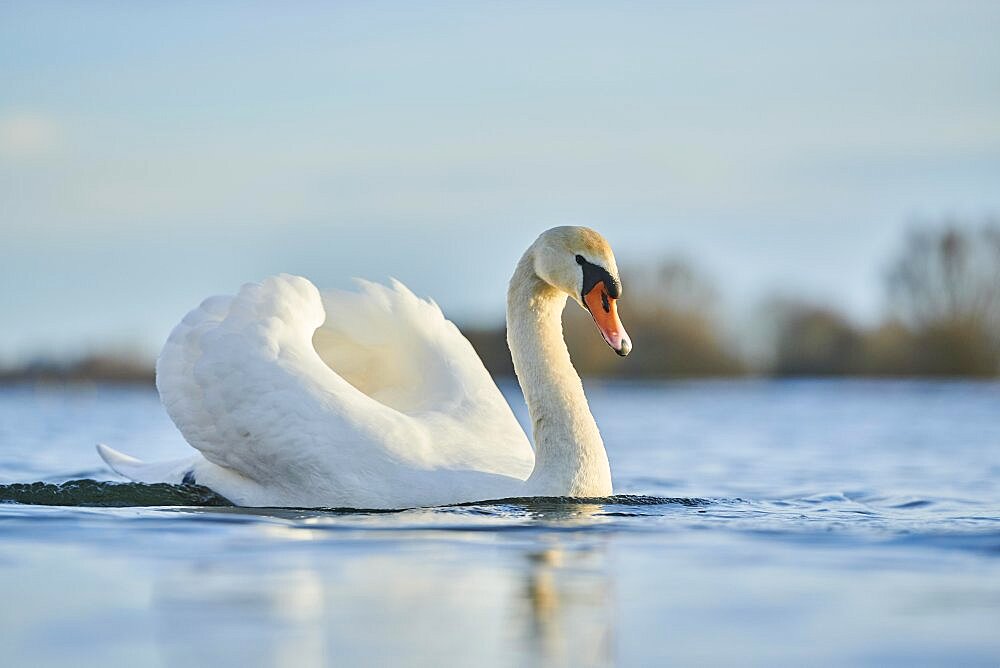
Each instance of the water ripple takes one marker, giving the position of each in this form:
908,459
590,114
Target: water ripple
106,494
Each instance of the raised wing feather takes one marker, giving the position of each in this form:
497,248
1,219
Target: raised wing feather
402,351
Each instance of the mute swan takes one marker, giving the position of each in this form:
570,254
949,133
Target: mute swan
372,399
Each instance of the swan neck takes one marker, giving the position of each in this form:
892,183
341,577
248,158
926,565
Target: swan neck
570,459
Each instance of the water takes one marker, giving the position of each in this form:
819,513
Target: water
770,523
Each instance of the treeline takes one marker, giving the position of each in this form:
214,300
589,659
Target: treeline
943,314
94,368
942,318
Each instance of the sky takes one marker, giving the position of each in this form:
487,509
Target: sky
152,154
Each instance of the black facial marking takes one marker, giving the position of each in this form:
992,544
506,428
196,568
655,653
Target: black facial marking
594,274
188,478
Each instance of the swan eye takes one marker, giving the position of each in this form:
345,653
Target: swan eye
594,274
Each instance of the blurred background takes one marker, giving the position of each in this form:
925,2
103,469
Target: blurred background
790,189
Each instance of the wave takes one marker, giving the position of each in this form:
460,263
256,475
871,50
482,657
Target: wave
107,494
614,500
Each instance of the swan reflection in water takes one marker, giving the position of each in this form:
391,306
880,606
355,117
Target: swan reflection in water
309,594
569,594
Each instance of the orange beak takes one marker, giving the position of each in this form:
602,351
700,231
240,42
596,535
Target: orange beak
605,312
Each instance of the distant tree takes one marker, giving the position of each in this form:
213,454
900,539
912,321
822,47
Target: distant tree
889,350
945,288
491,345
813,340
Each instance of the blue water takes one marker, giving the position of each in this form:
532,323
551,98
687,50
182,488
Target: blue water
773,523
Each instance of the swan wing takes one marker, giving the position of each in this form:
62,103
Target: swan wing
244,380
402,351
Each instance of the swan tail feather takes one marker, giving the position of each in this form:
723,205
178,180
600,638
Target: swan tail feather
175,472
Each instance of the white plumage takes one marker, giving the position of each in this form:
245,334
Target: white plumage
365,399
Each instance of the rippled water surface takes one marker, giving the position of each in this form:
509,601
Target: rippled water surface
757,523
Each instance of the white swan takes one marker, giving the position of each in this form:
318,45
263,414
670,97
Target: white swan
372,399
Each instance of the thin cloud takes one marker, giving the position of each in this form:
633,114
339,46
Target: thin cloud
28,136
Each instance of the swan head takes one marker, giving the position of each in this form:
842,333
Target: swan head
579,262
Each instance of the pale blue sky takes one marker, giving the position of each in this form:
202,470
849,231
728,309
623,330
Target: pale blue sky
154,153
